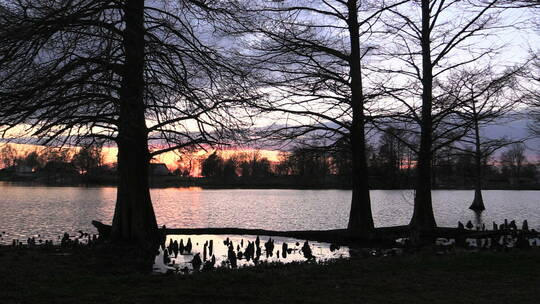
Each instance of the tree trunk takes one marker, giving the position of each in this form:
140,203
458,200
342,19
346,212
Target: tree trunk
360,218
423,217
478,202
134,219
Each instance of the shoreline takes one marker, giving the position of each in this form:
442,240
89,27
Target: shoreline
80,276
247,186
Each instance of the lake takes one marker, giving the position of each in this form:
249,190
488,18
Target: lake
50,211
219,249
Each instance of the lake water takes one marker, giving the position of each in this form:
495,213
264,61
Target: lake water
50,211
217,250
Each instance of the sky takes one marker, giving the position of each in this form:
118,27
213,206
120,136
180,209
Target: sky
171,159
519,41
516,129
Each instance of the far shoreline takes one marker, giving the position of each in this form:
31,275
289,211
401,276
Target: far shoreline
210,185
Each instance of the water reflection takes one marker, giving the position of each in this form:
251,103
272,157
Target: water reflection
186,253
26,211
478,220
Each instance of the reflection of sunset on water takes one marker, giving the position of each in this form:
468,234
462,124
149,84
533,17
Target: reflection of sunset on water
187,189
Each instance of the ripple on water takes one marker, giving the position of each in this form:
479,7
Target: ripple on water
50,211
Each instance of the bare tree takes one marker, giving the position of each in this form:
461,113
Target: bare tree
393,154
138,73
186,162
429,42
514,158
520,3
8,155
88,158
486,98
32,159
531,88
309,58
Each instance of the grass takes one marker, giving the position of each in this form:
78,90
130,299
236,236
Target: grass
78,276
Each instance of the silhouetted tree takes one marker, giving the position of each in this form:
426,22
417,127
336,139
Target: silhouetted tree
531,87
186,161
230,168
309,54
88,158
134,72
212,166
444,166
392,155
253,165
57,155
8,155
513,161
309,164
429,41
262,168
283,166
520,3
530,78
341,161
31,159
486,98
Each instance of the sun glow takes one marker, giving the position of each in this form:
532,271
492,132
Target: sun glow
192,160
172,159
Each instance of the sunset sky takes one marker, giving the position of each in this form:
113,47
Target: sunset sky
171,159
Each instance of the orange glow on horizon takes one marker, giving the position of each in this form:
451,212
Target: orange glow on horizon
171,159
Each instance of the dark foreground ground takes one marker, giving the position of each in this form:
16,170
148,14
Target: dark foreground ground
73,276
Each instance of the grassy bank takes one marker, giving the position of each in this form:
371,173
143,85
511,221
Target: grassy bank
76,276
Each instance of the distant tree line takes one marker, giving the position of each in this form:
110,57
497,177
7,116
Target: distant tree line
238,165
55,164
391,166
